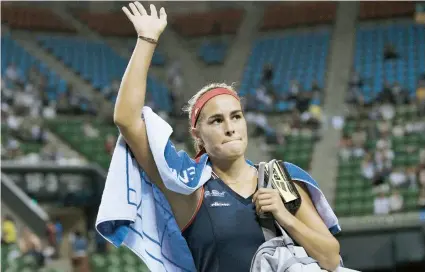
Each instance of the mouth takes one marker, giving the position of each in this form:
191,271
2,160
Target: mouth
232,141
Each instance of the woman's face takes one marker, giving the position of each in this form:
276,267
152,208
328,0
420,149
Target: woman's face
222,128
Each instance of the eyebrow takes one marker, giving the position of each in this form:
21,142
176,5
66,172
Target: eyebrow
221,115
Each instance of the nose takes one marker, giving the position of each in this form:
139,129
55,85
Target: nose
229,128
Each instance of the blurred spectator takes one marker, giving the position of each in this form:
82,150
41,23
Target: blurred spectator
399,94
263,97
359,140
51,239
381,204
421,179
390,53
302,101
59,234
13,74
398,129
111,90
89,131
398,177
355,80
110,144
345,147
101,243
294,88
30,245
267,82
34,75
9,234
79,253
396,201
315,88
386,95
175,83
368,167
411,177
420,96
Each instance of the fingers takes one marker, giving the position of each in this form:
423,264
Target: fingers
162,14
265,202
128,13
267,208
154,13
134,9
141,8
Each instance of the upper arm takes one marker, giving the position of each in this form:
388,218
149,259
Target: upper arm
307,212
183,206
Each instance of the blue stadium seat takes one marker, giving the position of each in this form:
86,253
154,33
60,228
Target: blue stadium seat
295,56
97,63
212,52
409,41
12,52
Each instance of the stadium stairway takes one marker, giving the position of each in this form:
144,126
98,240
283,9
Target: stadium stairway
240,47
83,30
15,202
342,50
28,41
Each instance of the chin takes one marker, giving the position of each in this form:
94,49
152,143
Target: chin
234,151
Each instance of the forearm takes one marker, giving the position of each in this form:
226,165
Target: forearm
131,95
322,248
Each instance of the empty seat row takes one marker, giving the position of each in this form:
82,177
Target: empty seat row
296,56
97,63
213,52
407,39
13,53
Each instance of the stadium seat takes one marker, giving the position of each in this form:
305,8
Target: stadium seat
354,193
12,52
409,42
97,63
119,259
294,56
212,52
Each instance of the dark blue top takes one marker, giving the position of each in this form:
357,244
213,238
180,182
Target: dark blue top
225,233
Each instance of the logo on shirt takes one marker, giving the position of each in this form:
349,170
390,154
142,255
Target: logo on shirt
220,204
214,193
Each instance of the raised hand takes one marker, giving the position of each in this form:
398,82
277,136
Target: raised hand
149,26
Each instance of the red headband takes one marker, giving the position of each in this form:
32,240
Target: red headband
197,108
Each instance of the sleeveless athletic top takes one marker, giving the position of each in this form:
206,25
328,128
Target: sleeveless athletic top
225,232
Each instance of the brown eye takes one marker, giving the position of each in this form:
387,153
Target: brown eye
216,121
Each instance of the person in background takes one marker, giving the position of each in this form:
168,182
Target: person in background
381,204
30,245
396,201
59,235
79,257
51,237
390,53
8,235
110,144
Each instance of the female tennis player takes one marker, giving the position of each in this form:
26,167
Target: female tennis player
219,220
